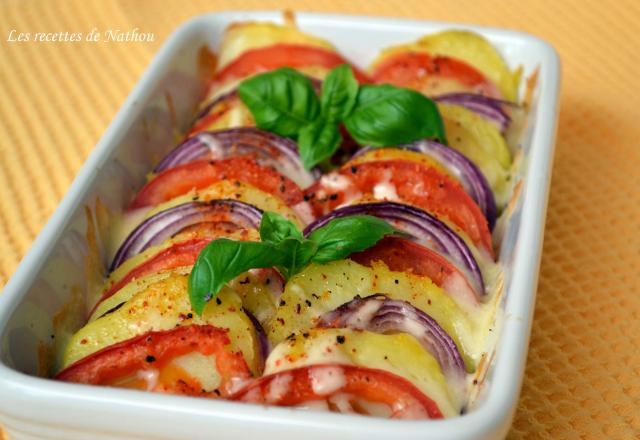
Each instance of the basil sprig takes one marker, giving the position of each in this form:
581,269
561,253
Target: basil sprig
387,115
282,246
284,102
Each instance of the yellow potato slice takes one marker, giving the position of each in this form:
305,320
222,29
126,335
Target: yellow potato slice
400,354
244,36
162,305
469,47
483,144
322,288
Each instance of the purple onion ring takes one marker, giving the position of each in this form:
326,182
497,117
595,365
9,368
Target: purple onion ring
166,224
489,108
423,227
270,149
379,314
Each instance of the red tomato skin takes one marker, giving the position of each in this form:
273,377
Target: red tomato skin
402,255
412,69
155,350
416,184
368,383
216,112
184,253
200,174
180,254
273,57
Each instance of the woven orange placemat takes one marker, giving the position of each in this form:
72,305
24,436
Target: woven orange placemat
583,372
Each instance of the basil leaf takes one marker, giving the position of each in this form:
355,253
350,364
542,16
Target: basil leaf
221,261
281,101
345,235
298,254
388,115
339,93
318,141
275,228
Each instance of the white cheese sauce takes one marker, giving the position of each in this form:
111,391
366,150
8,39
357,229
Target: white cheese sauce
150,377
385,190
363,315
335,182
327,380
377,409
278,387
213,145
408,412
342,402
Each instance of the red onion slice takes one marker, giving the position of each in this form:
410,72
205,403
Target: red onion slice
423,227
491,109
465,171
232,94
380,314
166,224
268,148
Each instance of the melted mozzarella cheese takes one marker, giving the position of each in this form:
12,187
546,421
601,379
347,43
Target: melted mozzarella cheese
376,409
149,377
399,354
327,380
363,314
335,182
278,387
342,402
385,190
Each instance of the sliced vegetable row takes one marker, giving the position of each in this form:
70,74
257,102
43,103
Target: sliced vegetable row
394,330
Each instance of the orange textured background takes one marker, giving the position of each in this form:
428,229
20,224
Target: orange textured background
583,372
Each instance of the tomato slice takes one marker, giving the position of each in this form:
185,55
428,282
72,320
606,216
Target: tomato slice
402,255
429,74
200,174
180,254
227,104
148,362
281,55
404,181
342,388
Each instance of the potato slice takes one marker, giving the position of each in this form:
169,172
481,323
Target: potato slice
377,154
470,48
241,37
321,288
162,305
400,354
482,143
136,260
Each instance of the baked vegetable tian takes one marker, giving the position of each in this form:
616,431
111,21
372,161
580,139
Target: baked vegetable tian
324,237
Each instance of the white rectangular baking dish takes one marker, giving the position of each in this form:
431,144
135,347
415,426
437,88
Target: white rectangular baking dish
51,276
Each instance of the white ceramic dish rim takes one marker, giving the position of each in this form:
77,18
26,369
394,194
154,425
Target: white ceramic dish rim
23,395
